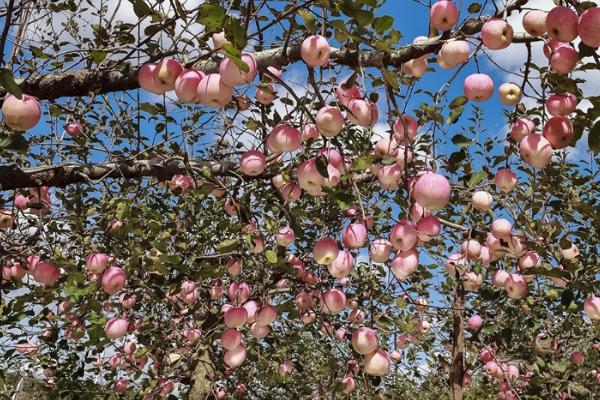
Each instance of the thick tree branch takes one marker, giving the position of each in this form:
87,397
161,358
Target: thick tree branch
88,81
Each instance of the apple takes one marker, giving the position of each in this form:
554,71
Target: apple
403,235
213,92
496,34
475,322
342,266
405,128
21,114
536,150
116,327
428,228
404,264
333,301
238,292
443,15
505,179
431,190
571,253
588,27
415,67
534,22
291,192
96,262
285,236
252,163
346,95
471,249
478,87
472,281
309,177
482,201
219,40
510,94
577,358
364,340
591,306
515,286
389,176
362,113
46,273
75,129
354,236
266,315
329,121
349,384
453,53
113,280
521,128
232,75
186,85
561,24
166,73
146,79
284,138
560,105
564,59
235,357
380,250
377,363
315,51
559,132
325,251
235,317
310,132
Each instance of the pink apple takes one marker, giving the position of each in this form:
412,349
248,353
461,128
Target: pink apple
443,15
501,228
213,92
46,273
486,355
362,113
283,138
534,22
20,202
346,95
521,128
536,150
349,384
315,51
342,266
146,79
496,34
417,212
310,132
475,322
564,59
561,24
403,235
232,75
377,363
428,228
96,262
365,340
75,129
219,39
116,327
482,201
166,73
380,250
113,280
405,129
266,315
238,292
571,253
415,67
235,317
329,121
354,236
285,236
591,306
21,114
186,85
559,132
471,249
235,357
333,301
291,192
472,281
588,27
404,264
266,94
505,179
309,177
577,358
510,94
453,53
431,190
515,286
499,278
479,87
560,105
357,316
389,176
325,251
252,163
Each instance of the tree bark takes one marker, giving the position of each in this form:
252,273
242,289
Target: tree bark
458,344
203,376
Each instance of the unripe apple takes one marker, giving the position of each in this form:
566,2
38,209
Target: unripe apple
521,128
309,132
232,75
266,315
21,114
564,60
588,27
46,273
389,176
252,163
471,249
515,286
329,121
266,94
405,129
213,92
510,94
454,52
475,322
75,129
235,317
561,24
354,236
505,179
431,190
534,22
482,201
116,327
362,113
325,251
559,132
591,306
186,85
364,340
478,87
96,262
315,51
404,264
496,34
428,228
333,301
342,266
560,105
284,138
403,235
166,73
377,363
536,150
346,95
146,79
235,357
380,250
113,280
443,15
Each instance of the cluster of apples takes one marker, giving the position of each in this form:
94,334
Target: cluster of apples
508,375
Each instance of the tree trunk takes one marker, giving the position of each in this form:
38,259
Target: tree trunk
203,376
458,344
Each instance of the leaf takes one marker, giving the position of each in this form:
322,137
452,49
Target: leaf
363,17
7,81
475,179
235,32
309,20
344,200
459,102
594,138
321,163
382,24
141,9
98,56
149,108
474,8
454,115
462,141
212,16
271,256
227,245
391,78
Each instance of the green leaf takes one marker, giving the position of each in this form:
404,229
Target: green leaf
309,20
391,78
475,179
149,108
234,54
474,8
382,24
227,245
594,138
7,81
344,200
98,56
321,163
212,16
454,115
271,256
141,9
235,32
462,141
459,102
363,17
